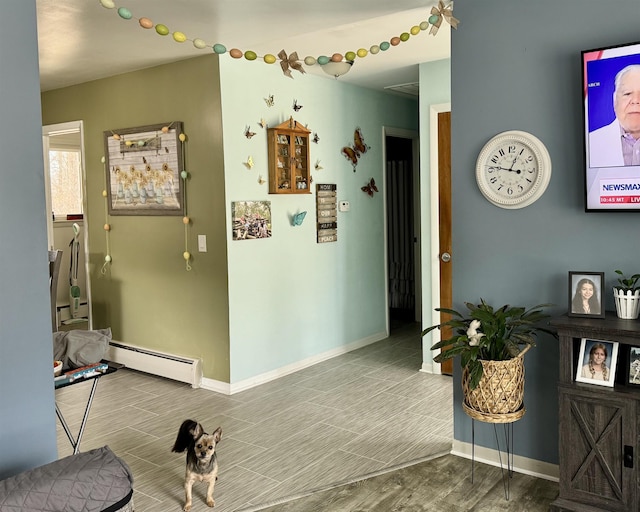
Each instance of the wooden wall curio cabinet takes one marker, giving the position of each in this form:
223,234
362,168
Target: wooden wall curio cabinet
288,145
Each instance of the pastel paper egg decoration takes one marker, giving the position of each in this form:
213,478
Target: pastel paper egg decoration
199,43
162,30
124,13
179,37
145,23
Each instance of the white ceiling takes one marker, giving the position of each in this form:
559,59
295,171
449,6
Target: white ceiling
80,40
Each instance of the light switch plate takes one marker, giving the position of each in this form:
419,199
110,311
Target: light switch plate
202,243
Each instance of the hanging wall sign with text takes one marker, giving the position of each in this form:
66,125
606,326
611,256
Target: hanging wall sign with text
326,213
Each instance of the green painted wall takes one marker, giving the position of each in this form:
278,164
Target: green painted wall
147,297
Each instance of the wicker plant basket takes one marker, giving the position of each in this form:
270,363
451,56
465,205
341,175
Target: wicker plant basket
499,395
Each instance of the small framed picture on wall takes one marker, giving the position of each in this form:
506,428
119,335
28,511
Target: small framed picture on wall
597,362
585,294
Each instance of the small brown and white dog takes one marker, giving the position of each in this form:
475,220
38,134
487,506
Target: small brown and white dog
202,463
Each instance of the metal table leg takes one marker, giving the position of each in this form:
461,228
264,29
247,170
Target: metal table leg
75,443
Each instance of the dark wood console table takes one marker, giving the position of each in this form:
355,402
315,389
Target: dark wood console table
598,430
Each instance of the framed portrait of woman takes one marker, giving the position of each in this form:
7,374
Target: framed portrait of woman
597,362
585,294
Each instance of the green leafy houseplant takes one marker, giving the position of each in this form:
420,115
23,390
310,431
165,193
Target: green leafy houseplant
488,334
627,283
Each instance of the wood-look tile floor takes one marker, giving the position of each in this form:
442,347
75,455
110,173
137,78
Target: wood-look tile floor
442,484
345,418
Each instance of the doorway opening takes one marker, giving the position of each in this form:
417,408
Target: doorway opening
402,206
65,198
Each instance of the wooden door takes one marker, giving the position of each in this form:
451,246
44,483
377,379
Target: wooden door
444,209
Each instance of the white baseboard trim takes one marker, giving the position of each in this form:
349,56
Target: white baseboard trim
427,367
522,465
243,385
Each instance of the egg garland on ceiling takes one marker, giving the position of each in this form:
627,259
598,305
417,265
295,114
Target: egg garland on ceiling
291,61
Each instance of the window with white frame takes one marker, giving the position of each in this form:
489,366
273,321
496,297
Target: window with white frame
66,182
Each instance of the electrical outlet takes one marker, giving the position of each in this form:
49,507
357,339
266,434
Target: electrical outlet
344,206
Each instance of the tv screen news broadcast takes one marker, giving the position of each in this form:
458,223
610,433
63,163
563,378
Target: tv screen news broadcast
611,88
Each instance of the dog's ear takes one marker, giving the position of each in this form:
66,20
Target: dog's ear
217,434
196,430
187,435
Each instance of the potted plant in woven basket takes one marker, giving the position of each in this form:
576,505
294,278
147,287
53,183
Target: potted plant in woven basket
491,343
627,296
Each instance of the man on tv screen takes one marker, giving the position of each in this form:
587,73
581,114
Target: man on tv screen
618,143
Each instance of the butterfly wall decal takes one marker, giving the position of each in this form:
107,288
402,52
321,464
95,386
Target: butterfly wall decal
269,100
316,139
262,123
370,188
296,107
298,218
318,167
261,180
354,152
248,133
249,163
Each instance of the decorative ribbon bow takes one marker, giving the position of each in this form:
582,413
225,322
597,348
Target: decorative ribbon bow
290,62
442,11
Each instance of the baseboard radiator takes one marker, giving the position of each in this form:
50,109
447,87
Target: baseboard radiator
178,368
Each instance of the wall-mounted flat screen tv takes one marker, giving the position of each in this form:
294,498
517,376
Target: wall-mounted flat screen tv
611,88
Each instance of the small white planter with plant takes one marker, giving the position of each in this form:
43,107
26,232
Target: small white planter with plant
627,296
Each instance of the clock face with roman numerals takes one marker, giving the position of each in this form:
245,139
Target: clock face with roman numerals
513,169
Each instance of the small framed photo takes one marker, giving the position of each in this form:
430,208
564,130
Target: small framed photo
633,368
585,294
597,362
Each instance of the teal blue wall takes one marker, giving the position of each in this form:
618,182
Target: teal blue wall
291,298
516,65
27,418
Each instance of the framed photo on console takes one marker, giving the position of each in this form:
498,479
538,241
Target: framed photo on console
633,367
585,294
597,362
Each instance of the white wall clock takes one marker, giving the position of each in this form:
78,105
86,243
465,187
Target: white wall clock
513,169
